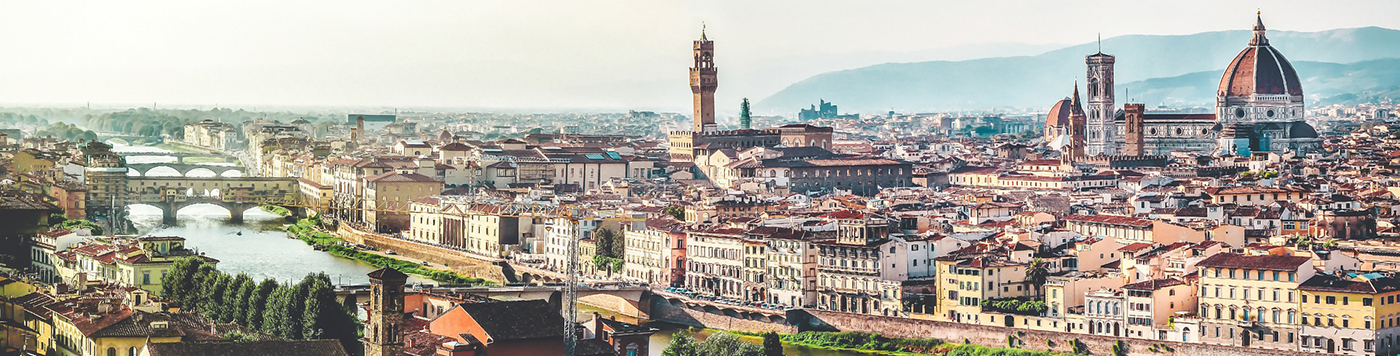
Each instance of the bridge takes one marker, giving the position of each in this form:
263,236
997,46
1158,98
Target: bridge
144,169
124,138
179,156
629,300
237,195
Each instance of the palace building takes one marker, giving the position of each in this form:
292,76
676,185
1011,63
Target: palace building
1259,108
705,138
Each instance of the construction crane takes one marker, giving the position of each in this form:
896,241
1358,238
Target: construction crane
570,291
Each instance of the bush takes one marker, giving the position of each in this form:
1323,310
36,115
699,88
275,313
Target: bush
1015,306
305,230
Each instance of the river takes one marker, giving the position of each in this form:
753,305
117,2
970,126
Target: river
259,247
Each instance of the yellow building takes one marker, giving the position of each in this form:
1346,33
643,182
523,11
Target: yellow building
34,162
968,281
1251,301
103,326
15,331
1350,315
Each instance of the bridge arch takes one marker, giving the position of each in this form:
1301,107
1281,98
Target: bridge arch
172,169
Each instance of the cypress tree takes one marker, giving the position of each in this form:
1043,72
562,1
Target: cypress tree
213,301
237,301
257,304
194,298
296,307
276,311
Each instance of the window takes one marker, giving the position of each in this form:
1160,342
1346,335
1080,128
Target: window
1366,302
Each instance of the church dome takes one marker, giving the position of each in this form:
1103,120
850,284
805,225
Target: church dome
1302,130
1059,114
1260,69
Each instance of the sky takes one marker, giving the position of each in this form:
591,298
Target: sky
547,55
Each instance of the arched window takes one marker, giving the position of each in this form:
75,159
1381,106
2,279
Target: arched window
111,351
132,351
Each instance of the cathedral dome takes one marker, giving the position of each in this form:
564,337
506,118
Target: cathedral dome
1059,114
1259,69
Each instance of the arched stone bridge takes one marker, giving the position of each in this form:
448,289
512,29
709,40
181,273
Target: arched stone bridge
144,169
170,194
629,300
179,156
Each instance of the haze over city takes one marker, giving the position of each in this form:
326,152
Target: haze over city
547,55
700,178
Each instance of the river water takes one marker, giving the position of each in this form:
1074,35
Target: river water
259,247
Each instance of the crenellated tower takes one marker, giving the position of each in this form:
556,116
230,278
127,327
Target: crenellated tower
703,82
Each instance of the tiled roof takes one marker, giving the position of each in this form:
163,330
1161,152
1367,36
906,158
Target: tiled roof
1264,262
516,320
252,348
1154,284
1111,220
1330,283
399,177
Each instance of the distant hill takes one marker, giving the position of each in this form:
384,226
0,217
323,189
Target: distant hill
1165,66
1323,83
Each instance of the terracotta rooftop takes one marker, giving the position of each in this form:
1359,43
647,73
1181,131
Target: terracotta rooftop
1264,262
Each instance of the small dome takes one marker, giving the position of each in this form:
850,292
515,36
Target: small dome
1260,69
1302,130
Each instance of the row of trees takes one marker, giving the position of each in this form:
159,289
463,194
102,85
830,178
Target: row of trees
64,131
303,311
722,344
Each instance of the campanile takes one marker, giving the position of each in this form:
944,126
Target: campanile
703,81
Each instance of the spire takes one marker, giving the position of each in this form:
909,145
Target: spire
1075,100
702,31
1100,43
1259,39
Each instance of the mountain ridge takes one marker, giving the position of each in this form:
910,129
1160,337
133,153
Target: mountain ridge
1036,81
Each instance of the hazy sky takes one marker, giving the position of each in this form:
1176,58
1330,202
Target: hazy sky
605,55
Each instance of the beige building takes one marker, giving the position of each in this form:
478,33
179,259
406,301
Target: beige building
715,262
647,256
1251,301
388,197
1151,304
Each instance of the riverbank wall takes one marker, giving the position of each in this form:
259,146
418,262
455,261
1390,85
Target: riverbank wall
995,336
664,310
457,261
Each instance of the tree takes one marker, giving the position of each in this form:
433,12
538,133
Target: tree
726,344
772,345
1036,273
236,310
324,318
257,302
216,288
195,297
295,308
275,313
681,345
179,279
610,243
675,211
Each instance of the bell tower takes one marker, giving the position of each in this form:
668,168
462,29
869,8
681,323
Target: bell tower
384,329
703,81
1101,138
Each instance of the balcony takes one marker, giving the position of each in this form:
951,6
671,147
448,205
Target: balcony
1247,323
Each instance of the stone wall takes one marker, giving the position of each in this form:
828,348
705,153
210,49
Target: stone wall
457,261
1020,338
663,310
